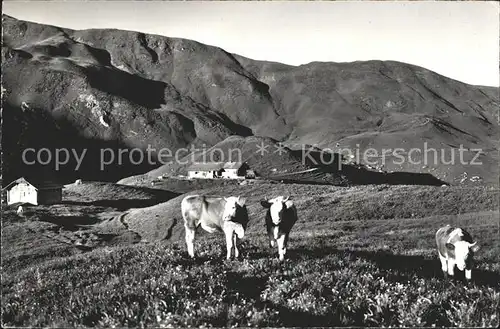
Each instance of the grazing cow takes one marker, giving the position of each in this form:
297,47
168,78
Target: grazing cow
215,214
20,210
455,247
281,215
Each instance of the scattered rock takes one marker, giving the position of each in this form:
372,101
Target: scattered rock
103,121
25,106
475,179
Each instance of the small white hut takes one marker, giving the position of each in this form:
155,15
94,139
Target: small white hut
33,191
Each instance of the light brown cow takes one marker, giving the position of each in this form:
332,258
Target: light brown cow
215,214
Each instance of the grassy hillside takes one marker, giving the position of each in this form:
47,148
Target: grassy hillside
358,256
345,274
319,204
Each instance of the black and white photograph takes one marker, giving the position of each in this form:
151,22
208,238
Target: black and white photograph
234,164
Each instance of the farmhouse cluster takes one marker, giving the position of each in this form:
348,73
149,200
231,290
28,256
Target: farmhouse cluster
229,170
37,191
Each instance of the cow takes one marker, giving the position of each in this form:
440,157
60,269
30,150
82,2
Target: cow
281,215
20,210
228,215
455,247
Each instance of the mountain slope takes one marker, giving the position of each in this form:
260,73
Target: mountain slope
98,89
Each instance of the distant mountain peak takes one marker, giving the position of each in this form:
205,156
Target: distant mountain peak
173,93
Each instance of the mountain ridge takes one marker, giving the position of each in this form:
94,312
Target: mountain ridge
132,89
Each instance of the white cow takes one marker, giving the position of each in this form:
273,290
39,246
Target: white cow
215,214
455,247
20,210
281,215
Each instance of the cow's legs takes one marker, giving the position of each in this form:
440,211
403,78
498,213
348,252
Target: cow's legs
236,251
468,274
281,247
444,265
451,267
285,243
229,243
273,236
272,240
190,233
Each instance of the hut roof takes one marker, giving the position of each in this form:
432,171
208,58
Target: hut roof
38,183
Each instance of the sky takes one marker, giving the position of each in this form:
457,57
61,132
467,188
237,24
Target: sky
457,39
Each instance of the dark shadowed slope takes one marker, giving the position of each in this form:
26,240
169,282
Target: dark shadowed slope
270,160
112,195
122,89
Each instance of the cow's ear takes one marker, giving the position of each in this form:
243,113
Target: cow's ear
265,203
241,201
474,247
285,199
450,246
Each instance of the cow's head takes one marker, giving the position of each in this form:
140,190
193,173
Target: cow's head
276,207
235,210
464,252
